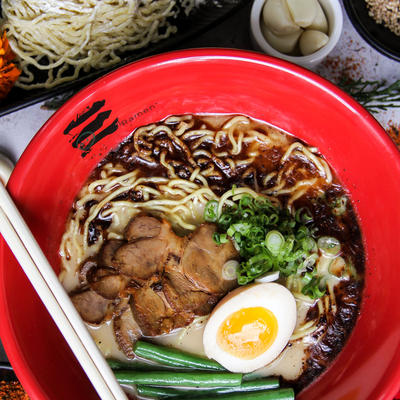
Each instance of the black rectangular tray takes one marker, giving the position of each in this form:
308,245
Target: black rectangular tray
207,15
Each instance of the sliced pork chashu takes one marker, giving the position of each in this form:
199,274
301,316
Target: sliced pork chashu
92,307
203,260
106,254
142,259
154,314
144,226
126,331
145,257
184,297
169,280
107,282
85,268
196,283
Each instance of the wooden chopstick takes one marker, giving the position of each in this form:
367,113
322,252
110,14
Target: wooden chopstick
44,280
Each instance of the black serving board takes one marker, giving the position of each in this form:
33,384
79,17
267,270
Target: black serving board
207,15
377,35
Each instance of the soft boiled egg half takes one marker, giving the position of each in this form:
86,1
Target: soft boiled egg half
250,327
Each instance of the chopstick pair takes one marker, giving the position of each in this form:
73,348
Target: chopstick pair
44,280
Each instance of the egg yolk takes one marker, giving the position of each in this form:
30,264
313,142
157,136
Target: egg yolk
248,332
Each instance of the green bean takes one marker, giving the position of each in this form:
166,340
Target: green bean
160,392
134,364
164,392
277,394
175,358
173,378
260,384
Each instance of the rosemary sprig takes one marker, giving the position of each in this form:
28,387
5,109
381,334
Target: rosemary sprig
375,96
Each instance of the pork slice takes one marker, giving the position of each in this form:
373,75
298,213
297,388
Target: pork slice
203,260
147,227
126,331
92,307
107,282
106,254
85,269
184,297
145,259
142,226
141,259
153,313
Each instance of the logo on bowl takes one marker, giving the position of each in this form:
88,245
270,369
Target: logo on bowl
86,137
137,115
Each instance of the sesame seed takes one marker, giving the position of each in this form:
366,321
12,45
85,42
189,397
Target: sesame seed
386,12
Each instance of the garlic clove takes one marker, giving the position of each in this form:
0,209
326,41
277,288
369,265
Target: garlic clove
320,22
277,19
302,12
283,43
311,41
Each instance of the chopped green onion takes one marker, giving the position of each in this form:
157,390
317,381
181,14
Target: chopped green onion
270,239
245,201
220,238
211,211
241,228
309,244
329,246
230,270
302,215
310,261
274,241
311,287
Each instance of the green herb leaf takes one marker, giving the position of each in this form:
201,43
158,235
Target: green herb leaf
373,95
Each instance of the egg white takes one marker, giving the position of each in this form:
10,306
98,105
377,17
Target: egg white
272,296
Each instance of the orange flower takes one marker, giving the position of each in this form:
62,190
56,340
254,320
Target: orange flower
5,49
9,72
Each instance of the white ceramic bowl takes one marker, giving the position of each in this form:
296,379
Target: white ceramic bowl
334,14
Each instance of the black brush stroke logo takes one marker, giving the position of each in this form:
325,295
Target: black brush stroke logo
91,133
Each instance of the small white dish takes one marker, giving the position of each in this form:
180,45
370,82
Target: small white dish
334,14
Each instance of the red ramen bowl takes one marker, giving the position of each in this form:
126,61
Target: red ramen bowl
61,156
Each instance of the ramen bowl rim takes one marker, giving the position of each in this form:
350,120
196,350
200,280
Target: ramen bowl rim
12,344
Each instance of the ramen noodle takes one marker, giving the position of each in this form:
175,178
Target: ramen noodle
58,39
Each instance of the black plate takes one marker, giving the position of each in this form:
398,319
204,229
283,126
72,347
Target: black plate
208,14
7,373
379,37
